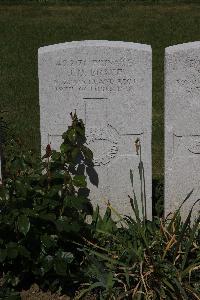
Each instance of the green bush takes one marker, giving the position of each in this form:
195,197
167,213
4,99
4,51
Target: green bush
45,239
43,210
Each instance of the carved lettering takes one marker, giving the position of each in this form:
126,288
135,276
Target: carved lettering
109,75
122,62
95,84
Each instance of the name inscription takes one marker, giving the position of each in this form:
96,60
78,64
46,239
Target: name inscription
95,75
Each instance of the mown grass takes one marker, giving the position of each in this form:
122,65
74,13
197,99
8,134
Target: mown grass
25,28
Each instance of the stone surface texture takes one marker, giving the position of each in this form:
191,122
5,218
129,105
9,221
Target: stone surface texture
110,86
182,127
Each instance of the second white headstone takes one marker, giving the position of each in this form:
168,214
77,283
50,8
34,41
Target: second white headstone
182,127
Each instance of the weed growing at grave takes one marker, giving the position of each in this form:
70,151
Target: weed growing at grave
43,210
142,259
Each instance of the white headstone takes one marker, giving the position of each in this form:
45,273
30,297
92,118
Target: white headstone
182,127
110,86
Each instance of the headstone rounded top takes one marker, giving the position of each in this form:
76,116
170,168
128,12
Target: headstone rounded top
93,43
109,84
182,47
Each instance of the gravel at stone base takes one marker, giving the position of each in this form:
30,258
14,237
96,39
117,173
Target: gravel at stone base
34,293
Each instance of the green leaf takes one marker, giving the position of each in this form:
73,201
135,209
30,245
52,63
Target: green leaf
46,263
48,241
178,211
182,233
12,250
190,268
110,281
72,135
67,257
3,254
60,174
181,289
67,225
68,201
47,217
24,252
79,181
60,267
75,202
80,129
131,177
62,224
64,148
20,188
23,224
107,258
168,284
87,153
189,243
55,156
61,262
75,153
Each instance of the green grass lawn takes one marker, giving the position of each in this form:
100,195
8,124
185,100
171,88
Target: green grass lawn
25,28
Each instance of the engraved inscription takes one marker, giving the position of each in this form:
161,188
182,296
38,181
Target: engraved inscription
96,84
122,62
97,75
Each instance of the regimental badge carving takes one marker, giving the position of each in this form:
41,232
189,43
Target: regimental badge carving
186,144
195,146
104,143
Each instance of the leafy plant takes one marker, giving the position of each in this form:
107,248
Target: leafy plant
43,210
158,259
45,239
3,135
